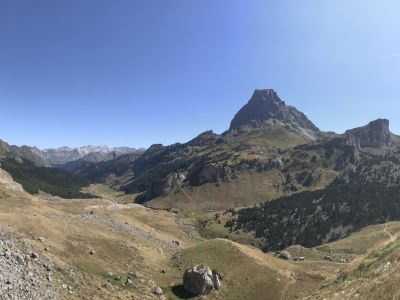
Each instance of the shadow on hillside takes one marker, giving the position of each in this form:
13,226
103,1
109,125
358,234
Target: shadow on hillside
180,292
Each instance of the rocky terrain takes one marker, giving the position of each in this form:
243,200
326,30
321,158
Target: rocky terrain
23,273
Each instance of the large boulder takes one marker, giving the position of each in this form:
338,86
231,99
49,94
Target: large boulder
200,280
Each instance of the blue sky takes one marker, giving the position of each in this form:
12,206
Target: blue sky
135,73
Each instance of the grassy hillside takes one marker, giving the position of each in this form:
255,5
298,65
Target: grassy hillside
247,273
374,275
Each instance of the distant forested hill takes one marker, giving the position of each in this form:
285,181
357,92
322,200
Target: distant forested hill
53,181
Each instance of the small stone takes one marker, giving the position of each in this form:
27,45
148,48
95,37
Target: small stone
47,265
163,271
108,286
136,275
158,291
72,273
384,268
176,242
92,252
34,255
21,259
41,239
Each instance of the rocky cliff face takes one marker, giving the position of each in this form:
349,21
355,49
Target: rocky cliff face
375,134
266,105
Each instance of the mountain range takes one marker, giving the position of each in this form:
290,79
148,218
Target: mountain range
64,155
323,207
270,150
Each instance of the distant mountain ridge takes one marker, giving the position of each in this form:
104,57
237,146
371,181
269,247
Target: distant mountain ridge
63,155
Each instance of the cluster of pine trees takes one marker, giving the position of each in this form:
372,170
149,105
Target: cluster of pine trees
369,195
50,180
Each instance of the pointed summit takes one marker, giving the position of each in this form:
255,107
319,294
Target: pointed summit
266,105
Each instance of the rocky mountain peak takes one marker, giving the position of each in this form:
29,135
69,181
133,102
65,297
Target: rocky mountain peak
266,105
374,134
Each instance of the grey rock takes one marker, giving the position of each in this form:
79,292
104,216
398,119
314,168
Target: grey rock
375,134
200,280
108,286
285,255
176,242
158,291
384,268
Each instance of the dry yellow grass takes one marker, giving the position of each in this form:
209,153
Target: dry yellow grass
132,238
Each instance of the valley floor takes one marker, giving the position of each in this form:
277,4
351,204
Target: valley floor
108,248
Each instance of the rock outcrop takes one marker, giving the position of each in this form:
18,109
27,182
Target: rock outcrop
266,105
201,280
7,182
375,134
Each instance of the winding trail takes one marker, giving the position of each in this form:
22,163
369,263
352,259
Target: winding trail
392,238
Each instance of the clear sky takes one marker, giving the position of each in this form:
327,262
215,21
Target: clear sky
130,72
